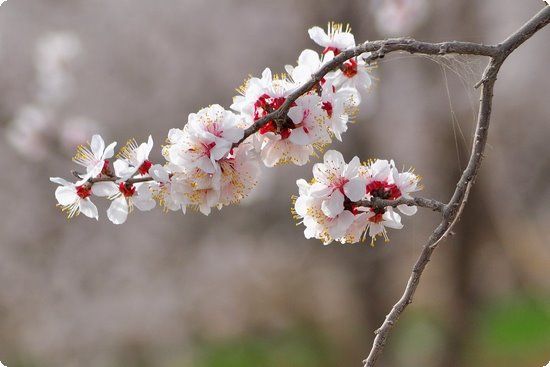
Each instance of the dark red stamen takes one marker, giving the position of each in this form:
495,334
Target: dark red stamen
382,190
83,191
333,49
106,170
349,68
144,168
327,106
127,190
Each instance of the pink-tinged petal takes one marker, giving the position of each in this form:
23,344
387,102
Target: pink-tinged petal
375,229
296,114
66,195
334,205
319,36
299,137
221,149
97,145
104,189
118,210
205,164
233,134
88,209
270,154
392,219
355,189
340,225
407,210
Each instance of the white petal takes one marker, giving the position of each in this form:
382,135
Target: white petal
109,151
144,204
118,210
97,146
341,224
334,205
88,209
66,195
299,137
61,181
352,168
407,210
104,189
355,189
159,173
319,36
121,167
334,157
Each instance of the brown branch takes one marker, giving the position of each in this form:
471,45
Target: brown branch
453,210
378,49
432,204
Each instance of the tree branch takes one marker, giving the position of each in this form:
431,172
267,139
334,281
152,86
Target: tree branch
453,210
432,204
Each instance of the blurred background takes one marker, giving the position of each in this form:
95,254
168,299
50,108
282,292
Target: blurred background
243,287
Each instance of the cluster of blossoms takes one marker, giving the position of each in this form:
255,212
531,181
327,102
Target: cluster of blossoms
214,160
332,206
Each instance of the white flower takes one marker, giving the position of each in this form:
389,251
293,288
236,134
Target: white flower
303,130
308,210
308,119
74,199
133,159
309,62
207,137
335,40
339,105
124,197
354,74
385,182
261,96
336,181
239,175
94,157
205,193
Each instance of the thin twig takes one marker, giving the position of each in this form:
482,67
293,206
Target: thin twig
453,210
432,204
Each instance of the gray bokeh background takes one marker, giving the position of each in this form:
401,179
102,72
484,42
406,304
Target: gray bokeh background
243,286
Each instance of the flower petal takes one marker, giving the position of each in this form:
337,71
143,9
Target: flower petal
333,205
118,210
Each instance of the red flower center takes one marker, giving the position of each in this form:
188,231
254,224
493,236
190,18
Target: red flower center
382,190
83,191
265,105
333,49
127,190
106,170
349,68
327,106
144,168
